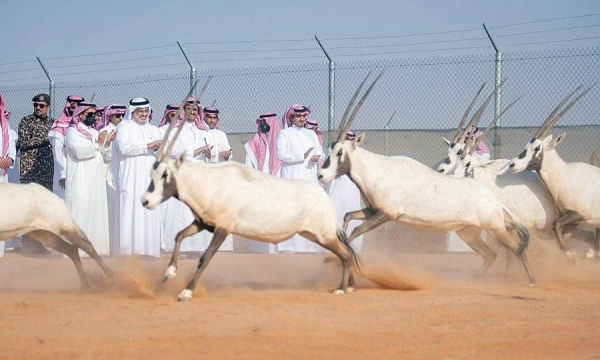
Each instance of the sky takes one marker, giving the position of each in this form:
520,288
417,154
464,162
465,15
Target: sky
79,41
60,28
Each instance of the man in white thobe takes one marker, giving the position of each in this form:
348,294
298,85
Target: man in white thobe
85,181
192,146
299,151
346,197
56,135
8,152
261,154
135,144
220,151
112,117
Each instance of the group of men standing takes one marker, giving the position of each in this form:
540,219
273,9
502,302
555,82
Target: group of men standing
100,165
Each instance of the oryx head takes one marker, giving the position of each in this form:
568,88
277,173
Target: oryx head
337,162
456,147
467,160
532,157
163,183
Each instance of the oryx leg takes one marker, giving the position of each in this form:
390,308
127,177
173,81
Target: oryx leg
370,223
80,240
565,219
472,236
371,218
55,242
357,215
219,236
339,246
519,248
195,227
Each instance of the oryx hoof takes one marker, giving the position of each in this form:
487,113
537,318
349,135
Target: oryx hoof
185,295
591,254
349,290
339,292
571,255
170,273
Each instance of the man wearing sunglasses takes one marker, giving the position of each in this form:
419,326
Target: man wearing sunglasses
37,161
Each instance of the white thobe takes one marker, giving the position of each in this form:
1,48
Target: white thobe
85,187
175,214
57,140
12,153
111,174
139,228
292,143
346,197
251,161
219,142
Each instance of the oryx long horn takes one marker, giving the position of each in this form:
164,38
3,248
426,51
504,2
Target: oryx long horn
563,111
341,126
462,121
479,113
538,134
196,101
159,153
362,100
490,125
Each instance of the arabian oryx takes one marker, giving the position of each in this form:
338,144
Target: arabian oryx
230,198
575,187
33,210
523,193
402,189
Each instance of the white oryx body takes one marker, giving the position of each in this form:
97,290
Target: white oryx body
575,187
405,190
33,210
230,198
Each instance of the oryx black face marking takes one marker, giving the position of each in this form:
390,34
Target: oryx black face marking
447,161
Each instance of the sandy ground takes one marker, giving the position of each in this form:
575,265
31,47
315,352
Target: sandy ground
280,306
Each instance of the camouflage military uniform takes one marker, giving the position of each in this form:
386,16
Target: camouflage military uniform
37,161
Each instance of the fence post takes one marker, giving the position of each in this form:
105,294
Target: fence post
193,74
331,92
51,90
497,144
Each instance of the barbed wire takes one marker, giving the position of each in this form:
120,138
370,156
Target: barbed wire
544,20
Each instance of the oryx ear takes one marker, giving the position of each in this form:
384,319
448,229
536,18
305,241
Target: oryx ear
179,161
557,141
359,139
446,141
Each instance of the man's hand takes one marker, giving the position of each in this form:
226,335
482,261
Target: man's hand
308,152
225,154
5,163
315,158
61,182
110,137
102,137
154,145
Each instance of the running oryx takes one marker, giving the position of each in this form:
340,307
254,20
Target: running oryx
402,189
230,198
32,210
575,187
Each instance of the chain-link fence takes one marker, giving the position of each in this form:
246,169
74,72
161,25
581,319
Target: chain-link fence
427,96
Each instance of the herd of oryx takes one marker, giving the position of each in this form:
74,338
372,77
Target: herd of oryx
543,196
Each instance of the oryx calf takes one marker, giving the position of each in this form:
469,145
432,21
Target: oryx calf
230,198
575,187
404,190
33,210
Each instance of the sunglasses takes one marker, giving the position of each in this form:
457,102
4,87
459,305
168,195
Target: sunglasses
38,105
118,115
